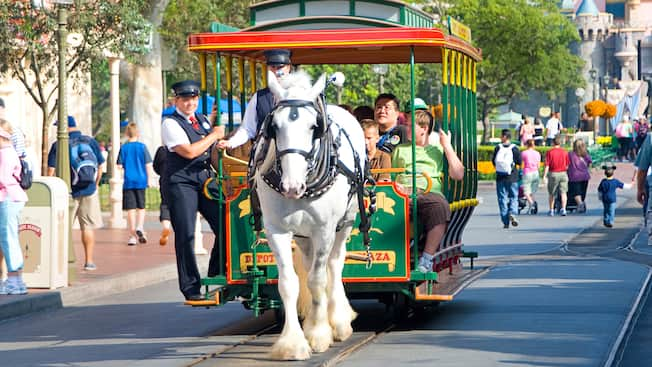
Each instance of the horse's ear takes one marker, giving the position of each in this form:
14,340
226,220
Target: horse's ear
275,87
318,87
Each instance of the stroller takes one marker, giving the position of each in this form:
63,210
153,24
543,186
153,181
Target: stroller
571,204
522,200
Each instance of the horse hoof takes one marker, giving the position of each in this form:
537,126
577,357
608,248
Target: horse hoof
290,350
320,339
342,332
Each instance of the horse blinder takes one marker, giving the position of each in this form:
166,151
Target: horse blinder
269,131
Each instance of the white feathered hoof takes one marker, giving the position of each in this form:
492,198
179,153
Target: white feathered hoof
291,349
341,324
320,338
342,332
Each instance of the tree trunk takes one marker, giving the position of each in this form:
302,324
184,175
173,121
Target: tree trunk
45,148
146,92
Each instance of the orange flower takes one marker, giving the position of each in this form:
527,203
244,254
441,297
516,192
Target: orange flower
486,167
609,111
595,108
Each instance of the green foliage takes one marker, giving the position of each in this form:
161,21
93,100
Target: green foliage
29,50
485,152
184,17
366,85
525,46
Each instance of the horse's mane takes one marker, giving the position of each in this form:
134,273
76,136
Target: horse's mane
296,84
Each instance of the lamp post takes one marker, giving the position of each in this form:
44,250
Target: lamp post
63,155
381,70
579,93
593,74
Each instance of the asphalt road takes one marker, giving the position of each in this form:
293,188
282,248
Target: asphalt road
544,303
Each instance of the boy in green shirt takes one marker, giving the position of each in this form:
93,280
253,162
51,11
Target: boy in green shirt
432,208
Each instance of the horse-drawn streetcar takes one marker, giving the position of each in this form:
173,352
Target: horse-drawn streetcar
383,268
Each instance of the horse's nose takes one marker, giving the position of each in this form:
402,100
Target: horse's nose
294,191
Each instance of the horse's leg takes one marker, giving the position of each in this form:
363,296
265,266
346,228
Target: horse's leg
316,326
340,313
292,344
302,261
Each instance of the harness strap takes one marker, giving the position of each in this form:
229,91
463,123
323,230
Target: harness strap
358,179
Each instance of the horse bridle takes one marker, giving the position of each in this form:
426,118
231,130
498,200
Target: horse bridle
294,105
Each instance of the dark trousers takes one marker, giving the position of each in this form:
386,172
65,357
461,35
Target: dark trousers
184,201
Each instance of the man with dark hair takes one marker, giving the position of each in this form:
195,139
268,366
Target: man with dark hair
554,173
505,158
262,102
386,111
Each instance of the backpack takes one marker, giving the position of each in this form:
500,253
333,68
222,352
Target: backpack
504,159
620,130
83,163
26,175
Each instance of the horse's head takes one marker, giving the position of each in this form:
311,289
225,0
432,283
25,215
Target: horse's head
294,125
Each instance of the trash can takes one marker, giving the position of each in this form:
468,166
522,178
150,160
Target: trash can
43,234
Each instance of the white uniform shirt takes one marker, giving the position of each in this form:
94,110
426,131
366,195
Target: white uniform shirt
247,129
172,134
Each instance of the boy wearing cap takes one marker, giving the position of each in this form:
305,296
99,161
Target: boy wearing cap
87,201
262,102
607,194
189,137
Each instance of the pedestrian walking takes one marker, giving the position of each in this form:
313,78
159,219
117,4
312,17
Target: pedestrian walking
554,127
505,158
86,170
556,176
607,194
579,174
530,180
12,201
136,164
538,132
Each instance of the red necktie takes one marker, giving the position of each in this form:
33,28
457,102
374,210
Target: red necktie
195,124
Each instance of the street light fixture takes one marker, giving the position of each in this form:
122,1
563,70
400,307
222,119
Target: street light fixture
579,93
63,155
593,74
381,70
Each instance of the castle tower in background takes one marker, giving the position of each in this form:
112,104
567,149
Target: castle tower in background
593,28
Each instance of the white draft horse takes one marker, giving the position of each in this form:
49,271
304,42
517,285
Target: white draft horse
316,206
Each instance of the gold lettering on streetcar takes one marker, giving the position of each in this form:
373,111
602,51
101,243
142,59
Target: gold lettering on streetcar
267,259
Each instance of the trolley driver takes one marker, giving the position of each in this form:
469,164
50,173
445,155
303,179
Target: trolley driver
189,139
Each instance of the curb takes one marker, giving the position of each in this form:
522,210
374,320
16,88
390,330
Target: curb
17,306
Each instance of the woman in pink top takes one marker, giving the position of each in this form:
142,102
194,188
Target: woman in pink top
12,201
527,131
530,182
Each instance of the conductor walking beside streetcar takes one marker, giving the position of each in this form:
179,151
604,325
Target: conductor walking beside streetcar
189,138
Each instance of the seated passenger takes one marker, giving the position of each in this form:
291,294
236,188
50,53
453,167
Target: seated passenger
433,210
377,158
363,112
386,113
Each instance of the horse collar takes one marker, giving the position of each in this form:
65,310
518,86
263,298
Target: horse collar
322,167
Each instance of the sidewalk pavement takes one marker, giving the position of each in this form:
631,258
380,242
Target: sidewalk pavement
120,268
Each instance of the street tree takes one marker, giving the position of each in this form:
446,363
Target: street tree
525,46
29,51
